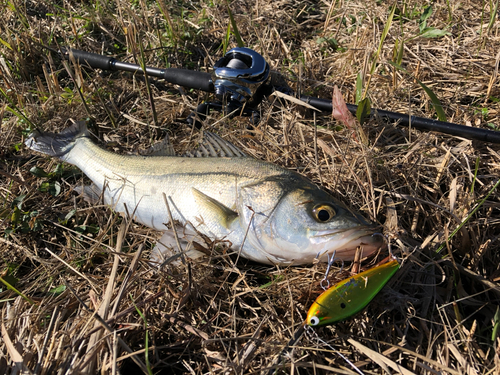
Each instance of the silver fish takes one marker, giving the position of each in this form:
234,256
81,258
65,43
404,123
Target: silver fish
267,213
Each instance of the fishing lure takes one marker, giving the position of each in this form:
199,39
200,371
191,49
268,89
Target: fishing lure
350,296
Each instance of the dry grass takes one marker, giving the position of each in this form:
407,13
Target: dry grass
435,316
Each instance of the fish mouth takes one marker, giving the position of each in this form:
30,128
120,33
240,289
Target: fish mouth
346,243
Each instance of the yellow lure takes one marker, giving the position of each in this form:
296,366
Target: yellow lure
350,296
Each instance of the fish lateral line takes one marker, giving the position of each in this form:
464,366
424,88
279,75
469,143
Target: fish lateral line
251,203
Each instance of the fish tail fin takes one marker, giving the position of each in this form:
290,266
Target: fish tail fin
57,144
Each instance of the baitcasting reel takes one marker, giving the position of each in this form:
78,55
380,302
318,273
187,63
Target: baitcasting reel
240,75
241,80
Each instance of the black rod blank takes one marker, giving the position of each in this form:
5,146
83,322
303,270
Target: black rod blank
203,81
420,123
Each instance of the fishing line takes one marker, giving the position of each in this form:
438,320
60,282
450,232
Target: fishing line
325,283
312,334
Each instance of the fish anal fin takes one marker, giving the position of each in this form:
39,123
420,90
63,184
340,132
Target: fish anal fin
166,248
215,210
90,193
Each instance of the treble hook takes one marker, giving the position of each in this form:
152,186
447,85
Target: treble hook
329,265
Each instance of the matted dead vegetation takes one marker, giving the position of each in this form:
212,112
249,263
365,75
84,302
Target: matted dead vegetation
91,303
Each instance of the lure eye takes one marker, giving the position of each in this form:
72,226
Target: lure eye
314,321
323,213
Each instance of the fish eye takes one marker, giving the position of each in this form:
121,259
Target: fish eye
342,305
323,213
314,321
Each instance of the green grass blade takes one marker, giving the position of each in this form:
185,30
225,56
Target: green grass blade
364,109
225,42
29,300
14,110
496,325
77,87
379,50
6,44
171,31
359,87
146,343
234,27
469,216
398,51
436,103
475,176
493,15
450,12
382,38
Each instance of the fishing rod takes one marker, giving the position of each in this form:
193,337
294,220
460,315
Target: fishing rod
241,79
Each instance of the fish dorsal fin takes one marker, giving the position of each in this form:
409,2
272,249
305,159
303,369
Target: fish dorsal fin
162,148
213,210
214,146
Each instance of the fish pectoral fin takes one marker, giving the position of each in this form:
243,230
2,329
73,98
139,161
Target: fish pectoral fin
214,209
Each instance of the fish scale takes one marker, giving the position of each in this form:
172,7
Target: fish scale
271,211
